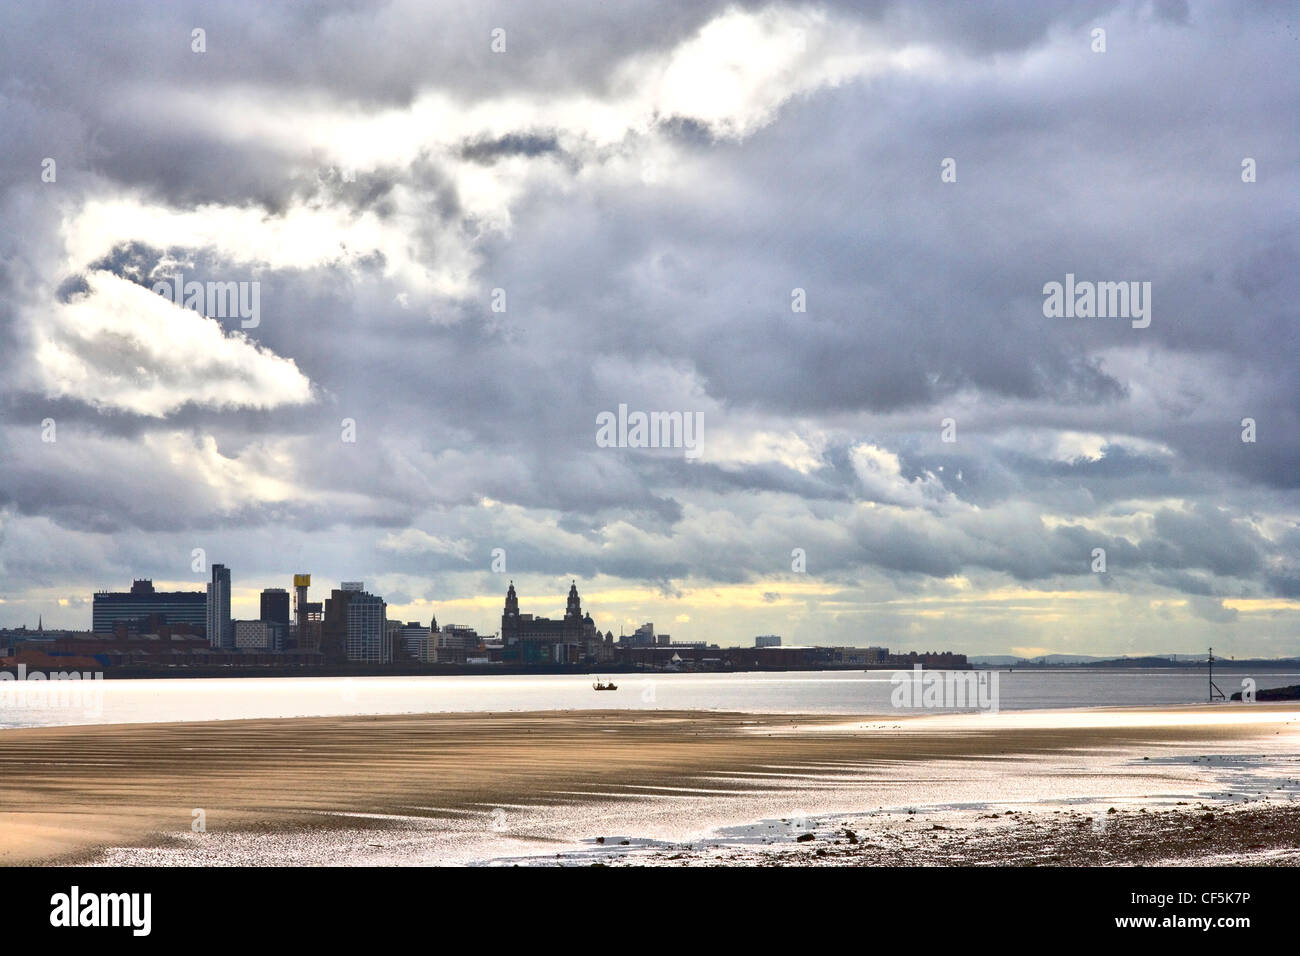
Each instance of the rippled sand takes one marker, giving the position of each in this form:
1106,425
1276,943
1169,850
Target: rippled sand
607,786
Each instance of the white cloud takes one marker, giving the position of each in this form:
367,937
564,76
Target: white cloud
305,236
742,66
756,446
415,541
123,346
733,76
881,475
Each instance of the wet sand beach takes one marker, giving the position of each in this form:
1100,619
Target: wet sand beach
627,786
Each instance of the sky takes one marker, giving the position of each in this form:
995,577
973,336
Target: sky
826,232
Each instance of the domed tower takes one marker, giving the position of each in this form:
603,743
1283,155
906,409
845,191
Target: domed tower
510,625
574,611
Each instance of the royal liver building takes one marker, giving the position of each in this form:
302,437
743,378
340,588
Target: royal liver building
539,640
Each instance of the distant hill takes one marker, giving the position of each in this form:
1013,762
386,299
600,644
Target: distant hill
1162,660
1005,660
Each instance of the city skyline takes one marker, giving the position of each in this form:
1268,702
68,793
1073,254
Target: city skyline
253,608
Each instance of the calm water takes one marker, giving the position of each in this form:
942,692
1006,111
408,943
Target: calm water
837,692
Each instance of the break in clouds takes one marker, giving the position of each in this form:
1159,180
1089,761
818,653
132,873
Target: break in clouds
825,232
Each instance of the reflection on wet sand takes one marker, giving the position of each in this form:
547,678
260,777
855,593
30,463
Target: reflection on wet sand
504,788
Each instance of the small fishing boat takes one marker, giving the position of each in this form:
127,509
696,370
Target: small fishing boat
604,685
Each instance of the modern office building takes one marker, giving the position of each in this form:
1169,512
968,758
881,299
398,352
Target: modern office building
142,608
367,632
221,631
643,636
275,606
458,635
256,635
334,627
307,636
301,582
768,640
415,642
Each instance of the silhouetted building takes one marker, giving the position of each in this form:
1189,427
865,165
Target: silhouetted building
143,609
334,626
308,637
367,640
275,606
415,643
221,630
455,644
300,629
936,660
538,640
643,636
260,635
354,628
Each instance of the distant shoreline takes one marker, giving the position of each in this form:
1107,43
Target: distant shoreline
147,672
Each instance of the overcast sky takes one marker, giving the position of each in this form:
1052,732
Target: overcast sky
648,184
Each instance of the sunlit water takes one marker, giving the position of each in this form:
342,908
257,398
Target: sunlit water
826,692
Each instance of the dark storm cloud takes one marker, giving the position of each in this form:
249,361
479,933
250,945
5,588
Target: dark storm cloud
1118,465
487,151
924,298
186,170
372,54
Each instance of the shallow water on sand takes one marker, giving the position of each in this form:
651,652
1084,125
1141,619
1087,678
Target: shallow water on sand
738,816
